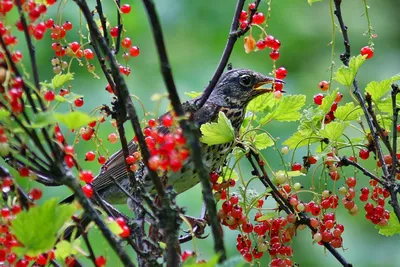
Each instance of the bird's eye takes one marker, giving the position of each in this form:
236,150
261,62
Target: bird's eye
245,80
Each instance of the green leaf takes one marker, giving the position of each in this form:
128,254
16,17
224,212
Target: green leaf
295,173
287,110
248,195
193,94
392,228
266,216
298,140
328,101
75,119
43,119
378,90
65,249
37,228
333,131
219,132
236,261
348,112
114,227
313,1
262,141
229,173
262,102
4,114
345,75
61,79
191,262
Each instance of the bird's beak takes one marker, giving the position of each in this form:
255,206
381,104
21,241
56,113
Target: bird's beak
258,87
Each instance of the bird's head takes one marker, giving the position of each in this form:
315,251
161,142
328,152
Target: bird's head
237,87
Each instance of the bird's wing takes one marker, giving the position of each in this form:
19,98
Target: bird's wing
115,167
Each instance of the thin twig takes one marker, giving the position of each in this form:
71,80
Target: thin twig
103,20
395,91
234,35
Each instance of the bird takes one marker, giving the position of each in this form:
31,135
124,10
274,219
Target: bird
231,95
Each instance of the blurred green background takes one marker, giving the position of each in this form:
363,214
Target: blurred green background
195,34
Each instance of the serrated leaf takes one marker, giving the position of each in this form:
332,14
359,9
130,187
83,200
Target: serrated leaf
41,120
287,109
385,122
262,141
219,132
298,140
65,249
333,131
262,102
328,101
193,94
4,114
75,119
313,1
379,89
36,229
61,79
345,75
393,227
348,112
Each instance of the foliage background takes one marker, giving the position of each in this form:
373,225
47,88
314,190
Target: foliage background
195,33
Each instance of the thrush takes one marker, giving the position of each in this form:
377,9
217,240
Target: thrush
234,90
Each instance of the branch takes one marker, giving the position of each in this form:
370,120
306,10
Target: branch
345,59
395,91
346,162
234,34
190,131
120,26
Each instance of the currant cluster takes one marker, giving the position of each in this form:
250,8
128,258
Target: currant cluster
318,98
7,240
168,151
220,185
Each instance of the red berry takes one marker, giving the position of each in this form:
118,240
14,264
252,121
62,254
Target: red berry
260,44
318,99
67,25
88,54
243,16
100,261
366,50
75,46
296,166
281,73
134,51
125,9
334,175
87,190
24,172
274,55
49,96
126,232
79,102
90,156
101,160
35,193
270,41
167,121
114,31
351,182
126,42
86,176
247,227
258,18
364,154
276,44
